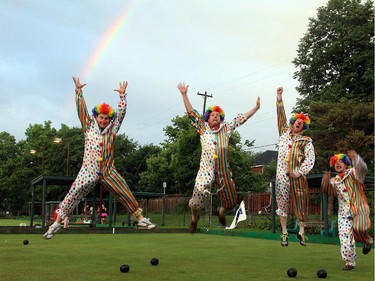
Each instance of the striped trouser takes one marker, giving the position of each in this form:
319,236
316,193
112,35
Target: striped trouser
83,185
203,183
300,196
226,189
362,224
298,191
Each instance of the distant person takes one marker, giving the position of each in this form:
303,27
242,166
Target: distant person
214,136
296,158
102,213
354,213
100,131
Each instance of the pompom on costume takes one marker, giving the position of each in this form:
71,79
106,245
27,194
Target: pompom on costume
354,213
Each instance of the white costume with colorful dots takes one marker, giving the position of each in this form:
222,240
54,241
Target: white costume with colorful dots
98,161
214,161
353,215
296,154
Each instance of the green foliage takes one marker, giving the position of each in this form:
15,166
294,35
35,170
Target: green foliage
342,126
180,157
131,159
336,55
336,73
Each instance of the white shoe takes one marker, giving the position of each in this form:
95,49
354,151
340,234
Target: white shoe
145,223
52,230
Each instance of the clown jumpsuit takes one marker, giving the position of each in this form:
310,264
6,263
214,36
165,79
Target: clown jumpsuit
296,154
214,161
354,213
98,161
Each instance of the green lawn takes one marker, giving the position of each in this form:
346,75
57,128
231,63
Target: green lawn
182,256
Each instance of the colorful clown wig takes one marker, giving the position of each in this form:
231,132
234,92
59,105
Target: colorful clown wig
304,117
103,108
343,157
213,108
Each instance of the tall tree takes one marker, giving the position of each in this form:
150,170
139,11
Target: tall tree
336,55
335,65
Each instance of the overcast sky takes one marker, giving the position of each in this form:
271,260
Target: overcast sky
235,50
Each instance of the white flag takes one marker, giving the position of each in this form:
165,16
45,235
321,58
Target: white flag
240,216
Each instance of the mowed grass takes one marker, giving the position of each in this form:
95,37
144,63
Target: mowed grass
182,256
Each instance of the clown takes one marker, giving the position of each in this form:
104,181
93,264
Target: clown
296,158
354,213
214,138
100,131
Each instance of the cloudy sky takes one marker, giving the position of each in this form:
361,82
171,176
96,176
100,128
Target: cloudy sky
233,50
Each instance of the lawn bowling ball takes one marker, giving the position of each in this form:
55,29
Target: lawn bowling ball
154,261
292,272
124,268
321,273
26,242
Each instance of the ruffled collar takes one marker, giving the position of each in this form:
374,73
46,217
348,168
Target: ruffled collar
342,176
105,130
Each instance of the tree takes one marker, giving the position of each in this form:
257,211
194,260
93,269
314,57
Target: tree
342,126
335,64
336,55
178,162
130,159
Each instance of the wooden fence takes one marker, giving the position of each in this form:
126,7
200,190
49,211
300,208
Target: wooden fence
254,202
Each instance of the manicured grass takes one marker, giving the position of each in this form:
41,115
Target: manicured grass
182,257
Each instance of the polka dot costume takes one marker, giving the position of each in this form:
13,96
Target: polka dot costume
98,161
295,154
354,213
214,161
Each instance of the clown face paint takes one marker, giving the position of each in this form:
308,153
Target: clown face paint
297,127
103,120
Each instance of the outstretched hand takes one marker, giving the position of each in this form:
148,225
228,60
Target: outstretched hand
78,84
279,93
122,88
182,88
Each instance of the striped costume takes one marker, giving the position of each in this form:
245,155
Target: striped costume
354,213
214,161
98,161
296,154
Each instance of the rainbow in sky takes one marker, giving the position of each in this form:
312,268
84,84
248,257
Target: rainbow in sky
107,40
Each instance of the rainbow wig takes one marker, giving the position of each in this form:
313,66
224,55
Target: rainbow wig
213,108
304,117
103,108
343,157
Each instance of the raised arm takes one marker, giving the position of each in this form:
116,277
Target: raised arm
121,106
253,110
360,166
281,117
183,90
78,85
122,89
82,111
